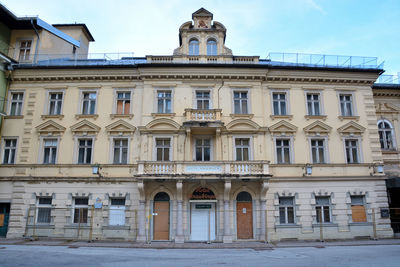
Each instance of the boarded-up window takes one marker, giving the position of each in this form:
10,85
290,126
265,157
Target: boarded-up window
117,211
123,102
358,209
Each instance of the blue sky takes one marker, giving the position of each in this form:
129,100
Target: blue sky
254,27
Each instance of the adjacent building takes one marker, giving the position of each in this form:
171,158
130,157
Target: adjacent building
202,145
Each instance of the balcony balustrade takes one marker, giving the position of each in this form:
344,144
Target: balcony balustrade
203,114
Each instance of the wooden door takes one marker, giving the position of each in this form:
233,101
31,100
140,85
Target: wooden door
161,220
244,217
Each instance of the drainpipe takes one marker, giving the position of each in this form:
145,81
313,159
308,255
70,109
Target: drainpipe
222,85
37,42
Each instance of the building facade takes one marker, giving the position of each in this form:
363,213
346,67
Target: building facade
201,145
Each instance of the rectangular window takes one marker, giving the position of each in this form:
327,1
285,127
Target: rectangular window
358,213
163,147
322,208
242,147
81,210
313,104
89,103
240,102
16,103
279,103
49,151
203,149
123,103
10,150
318,150
24,50
117,211
203,99
164,101
44,210
283,150
85,148
120,151
286,210
346,104
55,103
352,151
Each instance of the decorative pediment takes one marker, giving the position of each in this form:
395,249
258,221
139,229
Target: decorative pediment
351,128
386,108
161,125
317,128
120,127
243,125
283,127
85,127
50,128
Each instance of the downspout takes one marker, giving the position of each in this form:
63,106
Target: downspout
37,42
222,85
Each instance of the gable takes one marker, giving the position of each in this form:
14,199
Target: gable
386,108
351,128
85,127
50,127
317,127
120,127
283,127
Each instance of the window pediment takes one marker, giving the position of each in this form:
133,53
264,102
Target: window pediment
386,108
317,128
120,127
85,127
351,128
283,127
50,128
161,125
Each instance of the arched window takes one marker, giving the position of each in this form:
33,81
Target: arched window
386,134
193,47
211,47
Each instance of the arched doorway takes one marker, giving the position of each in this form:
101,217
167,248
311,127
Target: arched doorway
202,219
244,215
161,216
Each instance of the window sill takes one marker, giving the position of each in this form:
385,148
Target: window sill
349,118
116,227
316,117
113,116
14,117
247,116
42,226
86,116
360,223
77,226
390,151
325,225
288,226
52,117
163,115
281,117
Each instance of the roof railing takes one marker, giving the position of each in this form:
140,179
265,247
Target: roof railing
321,60
388,79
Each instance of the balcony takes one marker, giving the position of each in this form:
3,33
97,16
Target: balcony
202,114
211,168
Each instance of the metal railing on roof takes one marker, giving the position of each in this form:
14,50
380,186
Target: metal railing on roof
388,79
317,60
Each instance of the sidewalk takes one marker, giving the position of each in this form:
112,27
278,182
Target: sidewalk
197,245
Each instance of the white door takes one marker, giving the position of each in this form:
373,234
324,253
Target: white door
203,221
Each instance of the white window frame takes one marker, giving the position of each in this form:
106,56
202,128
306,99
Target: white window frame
166,89
42,147
10,101
251,157
353,102
115,105
287,98
196,137
48,100
359,149
213,53
43,206
19,41
322,209
171,139
81,100
241,90
117,208
76,146
392,132
205,90
326,151
3,148
193,53
74,206
291,152
286,210
112,143
321,102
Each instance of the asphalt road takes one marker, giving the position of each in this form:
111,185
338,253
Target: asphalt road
18,255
